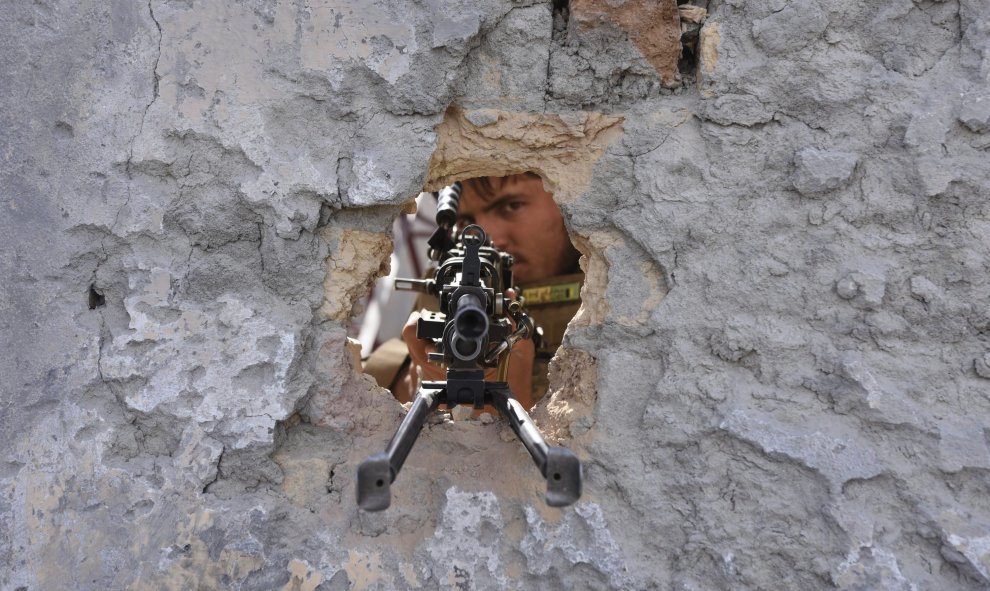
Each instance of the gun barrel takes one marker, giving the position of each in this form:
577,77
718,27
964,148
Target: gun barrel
470,320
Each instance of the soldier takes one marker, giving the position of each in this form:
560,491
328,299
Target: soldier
521,218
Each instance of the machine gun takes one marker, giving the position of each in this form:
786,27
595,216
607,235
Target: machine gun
473,331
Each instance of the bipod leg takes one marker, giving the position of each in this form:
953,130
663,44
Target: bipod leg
558,465
376,474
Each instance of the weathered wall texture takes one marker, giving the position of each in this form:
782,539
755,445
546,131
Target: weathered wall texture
780,378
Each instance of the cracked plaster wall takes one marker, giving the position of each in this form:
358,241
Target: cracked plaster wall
780,377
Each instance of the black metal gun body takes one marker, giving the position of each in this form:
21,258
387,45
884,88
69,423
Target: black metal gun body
473,332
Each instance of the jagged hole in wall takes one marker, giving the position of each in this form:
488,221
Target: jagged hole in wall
561,13
95,298
521,218
345,416
692,15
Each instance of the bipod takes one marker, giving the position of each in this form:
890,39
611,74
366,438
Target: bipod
558,465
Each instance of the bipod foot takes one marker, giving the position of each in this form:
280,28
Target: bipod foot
558,465
375,474
563,477
374,490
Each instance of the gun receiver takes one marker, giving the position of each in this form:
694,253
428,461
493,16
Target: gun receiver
475,330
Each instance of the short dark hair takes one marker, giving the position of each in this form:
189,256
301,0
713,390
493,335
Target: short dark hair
486,186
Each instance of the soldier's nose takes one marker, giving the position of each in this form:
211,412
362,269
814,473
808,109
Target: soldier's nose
494,231
495,238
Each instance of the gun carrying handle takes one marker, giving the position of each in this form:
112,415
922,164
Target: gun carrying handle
502,373
524,329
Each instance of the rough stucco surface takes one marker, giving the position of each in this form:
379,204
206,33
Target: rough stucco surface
780,378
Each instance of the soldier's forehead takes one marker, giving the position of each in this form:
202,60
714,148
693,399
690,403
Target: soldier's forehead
488,187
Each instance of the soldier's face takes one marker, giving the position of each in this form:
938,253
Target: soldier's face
522,218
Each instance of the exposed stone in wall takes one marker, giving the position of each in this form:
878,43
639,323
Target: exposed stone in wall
570,412
778,378
653,27
360,257
613,53
561,147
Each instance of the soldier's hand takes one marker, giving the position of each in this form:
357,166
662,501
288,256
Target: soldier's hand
419,368
521,360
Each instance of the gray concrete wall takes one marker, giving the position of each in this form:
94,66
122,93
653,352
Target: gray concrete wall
780,378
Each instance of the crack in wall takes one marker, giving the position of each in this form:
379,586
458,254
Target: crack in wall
144,115
158,56
154,90
559,16
217,471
